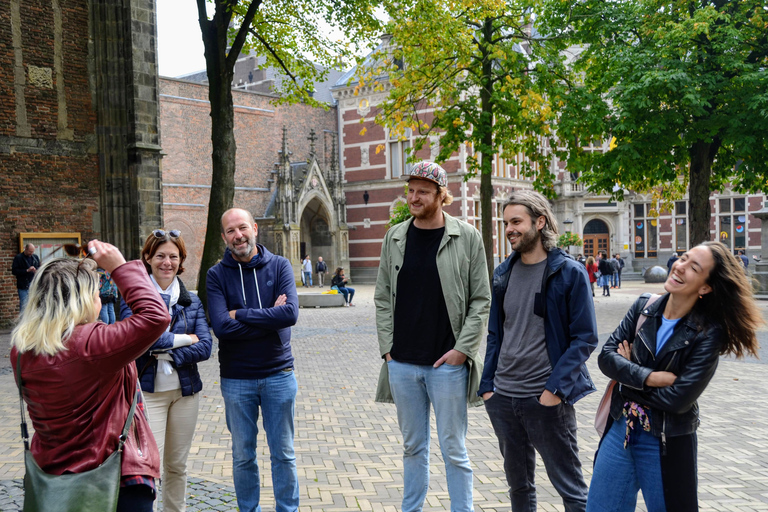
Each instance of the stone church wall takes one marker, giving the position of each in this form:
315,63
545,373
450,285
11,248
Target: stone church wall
185,125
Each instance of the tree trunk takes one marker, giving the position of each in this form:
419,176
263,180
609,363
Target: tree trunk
223,141
702,156
485,134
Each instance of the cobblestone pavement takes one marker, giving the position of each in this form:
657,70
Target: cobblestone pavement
348,448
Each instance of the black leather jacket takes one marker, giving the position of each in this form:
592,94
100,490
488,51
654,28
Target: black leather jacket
691,353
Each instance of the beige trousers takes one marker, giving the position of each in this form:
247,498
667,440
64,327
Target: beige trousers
173,419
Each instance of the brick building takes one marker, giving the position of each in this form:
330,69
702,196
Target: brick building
79,139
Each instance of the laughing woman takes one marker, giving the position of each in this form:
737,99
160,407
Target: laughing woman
169,377
650,437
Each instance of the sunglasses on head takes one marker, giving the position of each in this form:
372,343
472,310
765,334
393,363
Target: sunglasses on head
78,251
159,233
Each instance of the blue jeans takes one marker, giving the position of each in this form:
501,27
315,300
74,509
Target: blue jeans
414,387
307,278
23,294
620,473
107,314
348,293
615,279
276,395
523,425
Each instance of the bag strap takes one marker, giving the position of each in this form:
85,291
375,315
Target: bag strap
25,432
641,319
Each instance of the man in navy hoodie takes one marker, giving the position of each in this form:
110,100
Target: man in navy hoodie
252,303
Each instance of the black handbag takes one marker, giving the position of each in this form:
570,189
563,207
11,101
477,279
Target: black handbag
96,490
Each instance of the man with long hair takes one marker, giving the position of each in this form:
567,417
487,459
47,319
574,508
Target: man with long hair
541,332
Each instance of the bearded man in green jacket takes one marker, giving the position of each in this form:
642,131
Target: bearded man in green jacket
432,302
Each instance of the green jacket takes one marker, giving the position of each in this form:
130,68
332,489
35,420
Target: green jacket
464,279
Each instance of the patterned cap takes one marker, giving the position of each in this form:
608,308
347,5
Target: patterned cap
427,171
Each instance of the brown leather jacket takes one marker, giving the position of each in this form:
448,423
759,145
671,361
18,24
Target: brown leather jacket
79,399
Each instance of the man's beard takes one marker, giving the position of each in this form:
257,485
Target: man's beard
528,241
427,211
245,251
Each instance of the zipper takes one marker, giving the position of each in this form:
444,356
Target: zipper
664,415
640,334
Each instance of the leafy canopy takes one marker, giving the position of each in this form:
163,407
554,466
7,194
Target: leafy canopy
680,85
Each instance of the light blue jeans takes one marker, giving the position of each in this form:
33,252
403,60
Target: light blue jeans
276,395
23,294
107,314
620,473
414,388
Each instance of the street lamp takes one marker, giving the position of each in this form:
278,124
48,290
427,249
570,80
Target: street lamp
567,223
366,197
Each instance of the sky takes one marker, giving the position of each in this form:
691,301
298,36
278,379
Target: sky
179,43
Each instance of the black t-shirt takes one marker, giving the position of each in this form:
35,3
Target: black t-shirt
422,329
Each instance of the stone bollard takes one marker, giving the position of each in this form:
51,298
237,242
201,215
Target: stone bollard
655,275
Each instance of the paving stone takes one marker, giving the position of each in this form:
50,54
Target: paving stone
349,449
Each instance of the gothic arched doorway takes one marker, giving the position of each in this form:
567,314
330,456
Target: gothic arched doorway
595,237
315,228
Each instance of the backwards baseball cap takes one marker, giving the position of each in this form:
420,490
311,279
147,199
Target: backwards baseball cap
427,171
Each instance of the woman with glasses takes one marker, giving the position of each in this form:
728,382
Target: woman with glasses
78,376
168,371
661,369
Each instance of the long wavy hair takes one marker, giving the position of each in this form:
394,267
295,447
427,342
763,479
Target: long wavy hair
61,297
731,304
537,206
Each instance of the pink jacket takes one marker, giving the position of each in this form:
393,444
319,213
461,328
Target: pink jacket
78,400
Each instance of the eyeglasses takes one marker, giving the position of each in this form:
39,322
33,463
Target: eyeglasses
159,233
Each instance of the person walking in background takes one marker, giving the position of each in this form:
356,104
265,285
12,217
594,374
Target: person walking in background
650,441
620,261
339,280
321,268
671,261
252,303
78,374
744,259
541,331
430,336
306,268
614,261
606,269
108,296
24,266
591,269
169,377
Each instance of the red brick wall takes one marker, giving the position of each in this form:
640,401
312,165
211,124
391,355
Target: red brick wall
46,184
185,127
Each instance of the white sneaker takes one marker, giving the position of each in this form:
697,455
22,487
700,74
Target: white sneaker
346,304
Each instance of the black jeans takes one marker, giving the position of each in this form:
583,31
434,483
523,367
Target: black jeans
135,498
522,425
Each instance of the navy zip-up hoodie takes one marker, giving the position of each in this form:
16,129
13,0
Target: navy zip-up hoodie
257,342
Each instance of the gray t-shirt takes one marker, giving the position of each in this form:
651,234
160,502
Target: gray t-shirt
523,367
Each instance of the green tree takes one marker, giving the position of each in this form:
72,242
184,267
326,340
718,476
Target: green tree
288,34
682,87
474,72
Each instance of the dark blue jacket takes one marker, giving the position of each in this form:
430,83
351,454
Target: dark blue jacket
257,342
21,262
187,317
569,325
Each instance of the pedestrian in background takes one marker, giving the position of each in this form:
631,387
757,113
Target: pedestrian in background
620,261
650,441
615,268
321,268
24,266
306,268
108,296
606,269
430,336
591,269
169,377
339,280
671,261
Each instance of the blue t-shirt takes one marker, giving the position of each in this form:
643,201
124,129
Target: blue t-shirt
664,332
